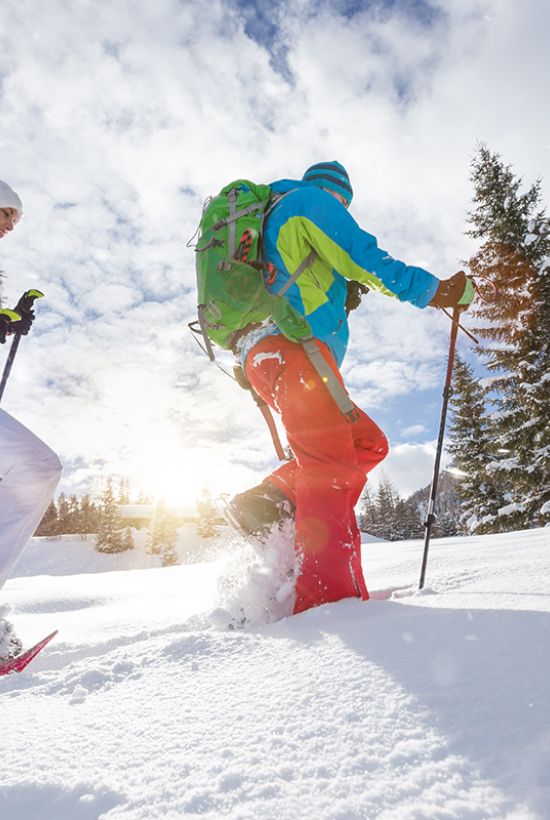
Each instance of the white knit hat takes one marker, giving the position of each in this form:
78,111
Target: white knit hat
9,199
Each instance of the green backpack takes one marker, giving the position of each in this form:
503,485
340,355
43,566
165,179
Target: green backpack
231,276
232,293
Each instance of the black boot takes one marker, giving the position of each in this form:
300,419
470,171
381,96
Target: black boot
255,512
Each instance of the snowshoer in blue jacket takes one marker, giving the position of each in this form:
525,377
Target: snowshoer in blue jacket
319,251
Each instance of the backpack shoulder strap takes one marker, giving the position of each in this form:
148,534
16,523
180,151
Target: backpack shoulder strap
345,404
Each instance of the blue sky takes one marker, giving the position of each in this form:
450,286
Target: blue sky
119,119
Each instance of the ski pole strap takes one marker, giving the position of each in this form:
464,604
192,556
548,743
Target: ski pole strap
487,291
329,378
465,330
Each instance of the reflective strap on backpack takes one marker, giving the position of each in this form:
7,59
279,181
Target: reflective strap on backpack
328,377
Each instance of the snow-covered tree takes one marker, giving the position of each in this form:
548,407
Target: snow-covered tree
515,257
387,515
163,535
366,518
387,501
447,508
123,496
472,449
128,539
88,521
109,531
207,515
409,523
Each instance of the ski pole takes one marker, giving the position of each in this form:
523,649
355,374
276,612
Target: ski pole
25,303
430,517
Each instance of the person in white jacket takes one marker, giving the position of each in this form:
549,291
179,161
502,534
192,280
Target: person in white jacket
29,470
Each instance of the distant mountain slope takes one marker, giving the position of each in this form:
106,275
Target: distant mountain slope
447,506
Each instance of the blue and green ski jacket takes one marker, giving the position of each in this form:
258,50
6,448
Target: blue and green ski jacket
308,218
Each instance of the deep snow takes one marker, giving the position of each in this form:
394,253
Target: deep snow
412,705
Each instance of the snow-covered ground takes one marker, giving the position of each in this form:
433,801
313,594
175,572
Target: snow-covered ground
431,705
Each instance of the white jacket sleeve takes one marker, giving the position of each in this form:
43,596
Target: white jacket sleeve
29,474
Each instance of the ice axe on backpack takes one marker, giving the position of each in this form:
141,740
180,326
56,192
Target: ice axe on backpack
24,304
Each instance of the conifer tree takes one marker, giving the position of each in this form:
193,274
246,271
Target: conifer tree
123,491
88,518
63,515
109,532
387,500
472,449
49,524
163,535
206,524
366,519
515,257
388,516
74,515
410,525
128,539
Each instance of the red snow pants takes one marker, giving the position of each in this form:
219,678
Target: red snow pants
328,473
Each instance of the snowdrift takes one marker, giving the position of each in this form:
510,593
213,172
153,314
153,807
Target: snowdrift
430,705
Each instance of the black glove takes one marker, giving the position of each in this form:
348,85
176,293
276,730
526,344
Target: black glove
24,324
458,291
355,291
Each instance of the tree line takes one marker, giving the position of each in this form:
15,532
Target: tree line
387,515
81,516
73,515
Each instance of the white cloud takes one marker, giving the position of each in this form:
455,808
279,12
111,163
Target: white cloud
410,466
414,430
118,120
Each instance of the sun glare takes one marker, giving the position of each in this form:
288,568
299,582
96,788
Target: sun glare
181,484
177,485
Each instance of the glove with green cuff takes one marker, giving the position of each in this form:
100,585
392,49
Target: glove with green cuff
458,291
